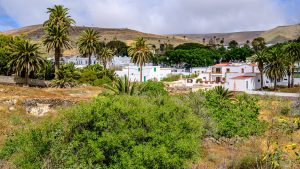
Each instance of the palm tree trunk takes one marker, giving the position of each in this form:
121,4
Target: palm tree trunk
57,54
261,79
289,78
275,83
26,77
90,59
292,73
141,73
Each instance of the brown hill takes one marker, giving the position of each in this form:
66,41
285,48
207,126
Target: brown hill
282,33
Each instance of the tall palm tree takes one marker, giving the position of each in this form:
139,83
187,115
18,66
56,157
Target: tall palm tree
88,42
275,68
26,57
293,55
57,32
140,53
105,55
59,15
260,58
57,39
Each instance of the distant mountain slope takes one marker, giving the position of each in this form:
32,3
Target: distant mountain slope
276,35
240,37
35,32
282,33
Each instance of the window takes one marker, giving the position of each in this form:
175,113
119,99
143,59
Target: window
139,69
144,78
204,78
267,82
258,80
243,70
218,70
155,69
278,80
247,85
285,79
228,70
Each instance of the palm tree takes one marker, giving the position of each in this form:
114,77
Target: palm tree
26,57
88,42
122,86
293,55
260,58
140,54
105,56
57,38
275,68
59,15
57,32
223,93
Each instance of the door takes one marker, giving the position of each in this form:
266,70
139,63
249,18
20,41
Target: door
218,79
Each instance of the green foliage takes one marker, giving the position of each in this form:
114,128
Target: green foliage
119,47
233,44
122,86
222,92
110,132
238,54
189,46
152,88
171,78
234,117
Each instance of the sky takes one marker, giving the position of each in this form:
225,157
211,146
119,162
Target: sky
159,16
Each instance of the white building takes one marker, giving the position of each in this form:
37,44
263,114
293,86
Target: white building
149,73
80,62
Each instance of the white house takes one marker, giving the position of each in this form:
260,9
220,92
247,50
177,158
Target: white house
149,73
81,62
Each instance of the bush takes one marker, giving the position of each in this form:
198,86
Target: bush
171,78
111,132
153,88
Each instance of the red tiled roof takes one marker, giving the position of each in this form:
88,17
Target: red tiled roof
222,64
242,77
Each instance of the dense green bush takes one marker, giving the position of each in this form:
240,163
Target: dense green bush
152,88
234,116
111,132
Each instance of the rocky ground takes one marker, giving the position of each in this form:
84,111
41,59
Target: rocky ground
23,106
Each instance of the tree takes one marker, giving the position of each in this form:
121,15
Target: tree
57,32
293,54
26,57
122,86
260,58
189,46
275,69
222,92
140,52
57,38
233,44
119,47
88,43
258,44
105,56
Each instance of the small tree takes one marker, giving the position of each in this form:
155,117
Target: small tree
105,56
26,57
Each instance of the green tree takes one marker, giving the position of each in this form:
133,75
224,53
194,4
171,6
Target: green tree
88,43
222,92
140,52
233,44
293,55
258,44
57,32
26,57
275,68
260,58
105,56
119,47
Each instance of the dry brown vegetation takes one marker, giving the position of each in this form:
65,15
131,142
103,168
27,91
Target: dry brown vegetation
12,117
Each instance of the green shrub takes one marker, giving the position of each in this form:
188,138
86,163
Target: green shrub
171,78
153,88
111,132
100,82
285,110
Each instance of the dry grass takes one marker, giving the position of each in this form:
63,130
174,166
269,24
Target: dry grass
16,117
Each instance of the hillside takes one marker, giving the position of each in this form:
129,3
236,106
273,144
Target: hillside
35,33
276,35
282,33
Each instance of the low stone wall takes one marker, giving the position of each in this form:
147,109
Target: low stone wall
19,80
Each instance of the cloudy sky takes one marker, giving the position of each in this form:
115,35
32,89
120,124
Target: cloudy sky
159,16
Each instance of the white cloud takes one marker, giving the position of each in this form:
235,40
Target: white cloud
158,16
